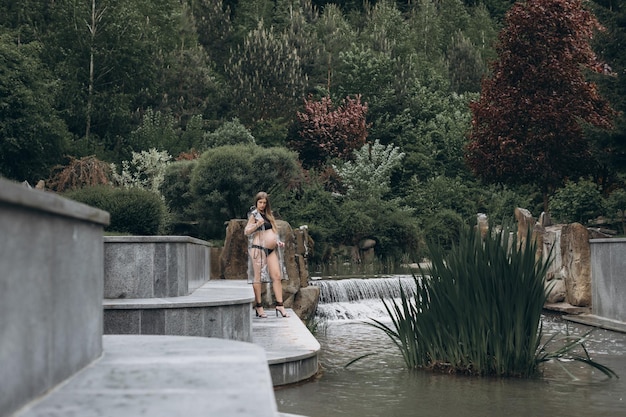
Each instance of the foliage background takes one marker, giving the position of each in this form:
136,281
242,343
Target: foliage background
219,86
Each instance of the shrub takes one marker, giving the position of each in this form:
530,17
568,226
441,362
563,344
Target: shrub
146,170
442,228
133,211
176,188
576,202
227,178
78,173
311,205
230,133
616,206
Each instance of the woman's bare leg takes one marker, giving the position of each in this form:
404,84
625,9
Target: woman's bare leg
257,264
273,266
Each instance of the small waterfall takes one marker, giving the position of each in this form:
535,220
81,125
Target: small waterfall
359,298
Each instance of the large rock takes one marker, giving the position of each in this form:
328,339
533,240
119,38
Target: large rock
233,259
305,302
482,222
554,277
525,223
576,260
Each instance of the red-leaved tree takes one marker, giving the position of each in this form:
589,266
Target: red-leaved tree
326,132
527,126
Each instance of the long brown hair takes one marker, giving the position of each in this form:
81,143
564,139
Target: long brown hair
268,208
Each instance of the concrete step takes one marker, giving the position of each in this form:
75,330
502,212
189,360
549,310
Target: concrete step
223,309
219,308
597,321
165,376
292,351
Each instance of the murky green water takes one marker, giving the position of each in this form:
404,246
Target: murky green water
379,385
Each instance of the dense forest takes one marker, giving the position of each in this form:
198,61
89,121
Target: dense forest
396,121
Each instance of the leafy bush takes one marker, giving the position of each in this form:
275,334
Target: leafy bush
369,175
439,193
311,205
616,206
132,210
227,178
146,170
176,188
576,202
157,130
500,202
443,228
230,133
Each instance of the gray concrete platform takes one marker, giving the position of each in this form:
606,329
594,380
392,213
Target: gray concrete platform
165,376
219,308
597,321
292,351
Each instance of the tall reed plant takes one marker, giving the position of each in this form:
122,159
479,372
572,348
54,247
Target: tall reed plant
477,310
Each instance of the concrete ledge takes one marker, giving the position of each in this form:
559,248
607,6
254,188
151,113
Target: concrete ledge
15,194
292,350
50,290
597,321
154,266
163,376
217,309
566,308
608,278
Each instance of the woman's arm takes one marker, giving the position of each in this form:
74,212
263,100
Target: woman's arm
252,226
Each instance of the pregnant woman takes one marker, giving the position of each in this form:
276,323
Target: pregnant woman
264,260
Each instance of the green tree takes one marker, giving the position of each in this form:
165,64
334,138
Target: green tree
610,147
466,67
527,124
105,54
226,179
616,207
266,76
214,28
32,136
335,33
427,31
157,130
176,190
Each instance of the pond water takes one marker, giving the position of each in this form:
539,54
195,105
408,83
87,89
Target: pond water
380,385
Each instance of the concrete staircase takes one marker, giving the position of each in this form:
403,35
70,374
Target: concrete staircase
55,360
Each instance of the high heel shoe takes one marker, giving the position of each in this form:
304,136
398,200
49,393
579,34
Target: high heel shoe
256,310
282,310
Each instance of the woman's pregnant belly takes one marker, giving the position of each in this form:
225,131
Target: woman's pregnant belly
266,238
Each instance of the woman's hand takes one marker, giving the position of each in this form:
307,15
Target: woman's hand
280,243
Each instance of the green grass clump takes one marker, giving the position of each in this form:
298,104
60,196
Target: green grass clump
478,310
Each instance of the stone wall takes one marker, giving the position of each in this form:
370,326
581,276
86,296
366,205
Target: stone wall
154,266
51,283
569,277
608,265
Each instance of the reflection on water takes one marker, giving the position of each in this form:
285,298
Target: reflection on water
379,385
